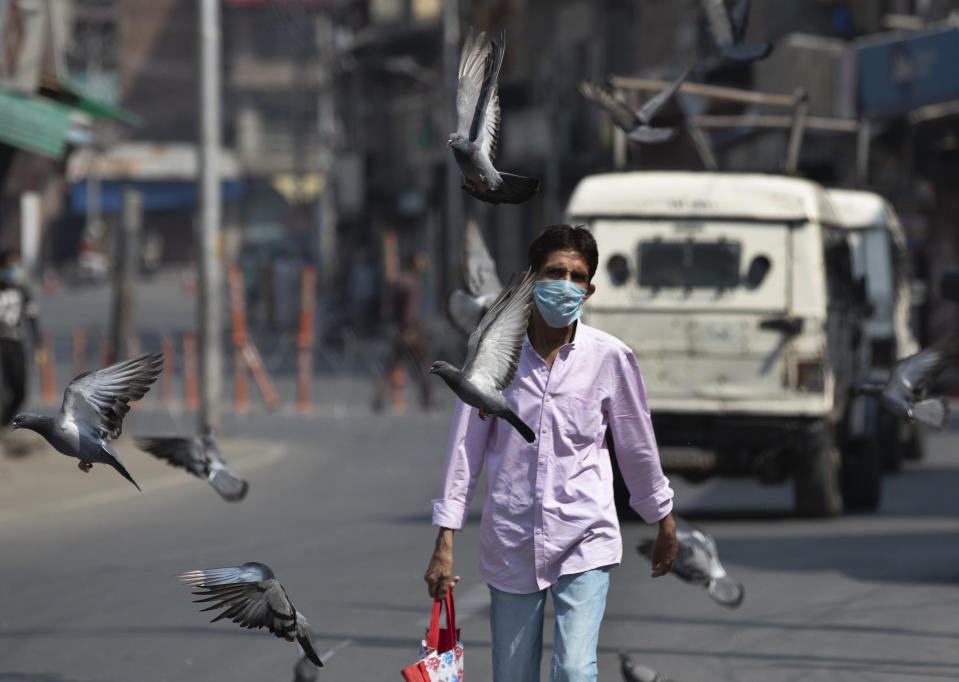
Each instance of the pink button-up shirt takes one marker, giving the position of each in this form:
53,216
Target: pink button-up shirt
549,507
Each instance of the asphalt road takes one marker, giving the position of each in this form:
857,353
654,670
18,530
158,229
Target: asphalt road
339,508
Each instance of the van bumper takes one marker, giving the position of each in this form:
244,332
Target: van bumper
732,432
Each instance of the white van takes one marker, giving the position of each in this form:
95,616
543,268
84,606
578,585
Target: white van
736,293
880,257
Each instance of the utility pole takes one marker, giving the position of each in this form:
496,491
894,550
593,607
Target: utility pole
125,270
208,225
454,195
328,132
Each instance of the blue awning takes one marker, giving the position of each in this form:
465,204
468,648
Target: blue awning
158,195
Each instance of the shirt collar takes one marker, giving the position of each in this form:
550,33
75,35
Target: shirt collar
565,347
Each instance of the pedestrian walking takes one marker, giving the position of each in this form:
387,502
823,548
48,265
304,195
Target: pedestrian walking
17,311
407,342
549,521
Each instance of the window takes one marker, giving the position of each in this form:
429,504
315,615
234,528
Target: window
689,264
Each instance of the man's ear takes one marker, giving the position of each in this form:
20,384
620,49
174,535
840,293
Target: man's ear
589,290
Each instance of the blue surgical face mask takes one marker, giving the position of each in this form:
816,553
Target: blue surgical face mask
559,301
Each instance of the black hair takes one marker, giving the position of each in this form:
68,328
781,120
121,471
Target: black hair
564,238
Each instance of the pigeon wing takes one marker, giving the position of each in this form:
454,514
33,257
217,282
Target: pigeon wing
648,111
624,117
717,18
186,453
495,345
739,19
918,371
102,398
249,595
477,102
479,268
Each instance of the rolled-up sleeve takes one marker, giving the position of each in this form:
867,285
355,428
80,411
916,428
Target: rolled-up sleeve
635,443
464,462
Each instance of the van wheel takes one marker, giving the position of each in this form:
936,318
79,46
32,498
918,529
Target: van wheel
816,483
915,446
861,474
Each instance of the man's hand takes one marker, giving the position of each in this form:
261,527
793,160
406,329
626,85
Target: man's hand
664,549
439,574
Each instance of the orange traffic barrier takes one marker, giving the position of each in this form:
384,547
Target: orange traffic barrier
305,340
169,367
253,360
397,380
47,373
79,351
191,387
241,391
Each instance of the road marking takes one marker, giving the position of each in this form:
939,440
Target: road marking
331,652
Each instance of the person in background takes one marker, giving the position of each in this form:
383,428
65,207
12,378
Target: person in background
402,314
17,310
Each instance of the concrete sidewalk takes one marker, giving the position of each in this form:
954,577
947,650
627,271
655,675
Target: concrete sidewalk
36,479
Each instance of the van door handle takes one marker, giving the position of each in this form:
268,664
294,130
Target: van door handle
789,326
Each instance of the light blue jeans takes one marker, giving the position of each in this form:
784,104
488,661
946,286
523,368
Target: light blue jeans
516,625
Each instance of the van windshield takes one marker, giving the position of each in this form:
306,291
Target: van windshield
689,264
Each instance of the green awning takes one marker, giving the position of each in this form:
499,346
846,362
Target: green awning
33,124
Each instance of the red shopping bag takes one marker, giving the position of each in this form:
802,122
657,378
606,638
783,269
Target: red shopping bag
441,653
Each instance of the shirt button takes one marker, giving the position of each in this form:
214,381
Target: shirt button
544,429
547,398
538,531
542,461
539,496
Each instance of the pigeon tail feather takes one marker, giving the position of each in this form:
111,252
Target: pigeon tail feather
520,425
308,650
231,488
726,591
932,411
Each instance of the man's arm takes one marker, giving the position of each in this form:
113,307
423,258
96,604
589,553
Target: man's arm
439,574
465,453
638,456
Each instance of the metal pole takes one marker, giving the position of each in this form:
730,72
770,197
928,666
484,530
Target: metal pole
208,225
125,265
327,151
454,195
862,152
796,132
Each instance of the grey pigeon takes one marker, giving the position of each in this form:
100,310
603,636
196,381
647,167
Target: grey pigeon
483,285
729,28
633,672
697,562
252,596
905,393
477,125
492,355
92,412
201,456
636,124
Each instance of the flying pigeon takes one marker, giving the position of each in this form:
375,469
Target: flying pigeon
636,124
905,392
483,285
697,561
729,29
252,596
477,125
633,672
94,405
492,355
201,456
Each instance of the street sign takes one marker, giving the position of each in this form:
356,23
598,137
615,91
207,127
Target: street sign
906,72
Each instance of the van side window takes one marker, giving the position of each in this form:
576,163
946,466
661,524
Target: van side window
840,283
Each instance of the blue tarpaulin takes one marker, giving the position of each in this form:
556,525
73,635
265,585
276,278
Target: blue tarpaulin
158,195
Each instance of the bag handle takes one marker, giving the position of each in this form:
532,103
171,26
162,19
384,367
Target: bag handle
433,634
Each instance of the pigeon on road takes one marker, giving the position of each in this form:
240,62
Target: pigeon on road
252,596
492,355
92,412
483,285
905,393
697,562
636,124
201,456
633,672
729,28
477,125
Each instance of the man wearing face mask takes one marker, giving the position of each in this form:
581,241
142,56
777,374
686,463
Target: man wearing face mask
16,309
549,521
